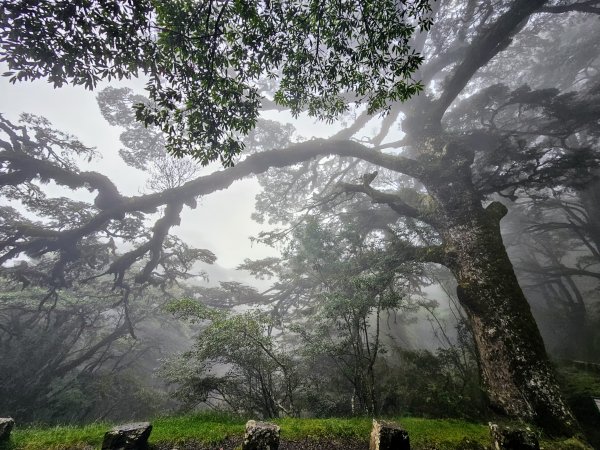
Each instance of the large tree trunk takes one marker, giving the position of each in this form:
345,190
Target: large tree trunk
513,363
514,366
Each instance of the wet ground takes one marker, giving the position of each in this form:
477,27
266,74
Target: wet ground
304,444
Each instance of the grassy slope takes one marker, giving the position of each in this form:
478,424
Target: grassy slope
424,433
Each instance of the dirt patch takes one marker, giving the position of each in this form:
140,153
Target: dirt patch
303,444
311,444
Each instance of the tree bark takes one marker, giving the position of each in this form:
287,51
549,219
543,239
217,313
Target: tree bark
513,363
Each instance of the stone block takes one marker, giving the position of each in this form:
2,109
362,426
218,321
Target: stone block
388,436
131,436
261,436
509,438
6,426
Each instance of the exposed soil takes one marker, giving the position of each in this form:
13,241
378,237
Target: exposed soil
306,444
303,444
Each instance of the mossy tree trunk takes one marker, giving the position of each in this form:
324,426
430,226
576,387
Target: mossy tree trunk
513,363
515,370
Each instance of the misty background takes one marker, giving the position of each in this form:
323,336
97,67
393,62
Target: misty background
263,310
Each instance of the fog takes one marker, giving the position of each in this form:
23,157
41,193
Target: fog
395,261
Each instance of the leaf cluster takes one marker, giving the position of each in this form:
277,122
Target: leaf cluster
206,61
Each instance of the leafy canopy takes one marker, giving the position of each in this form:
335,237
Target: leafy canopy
210,64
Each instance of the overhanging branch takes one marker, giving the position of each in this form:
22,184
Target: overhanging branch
395,202
489,43
114,206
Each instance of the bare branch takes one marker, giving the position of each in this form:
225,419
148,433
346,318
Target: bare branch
357,125
114,206
394,201
590,6
489,43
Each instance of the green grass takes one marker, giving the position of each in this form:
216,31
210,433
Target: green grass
56,438
294,429
444,434
211,428
207,428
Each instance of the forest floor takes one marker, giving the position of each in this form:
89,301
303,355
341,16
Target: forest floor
301,444
218,432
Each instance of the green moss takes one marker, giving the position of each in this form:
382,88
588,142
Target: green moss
444,434
325,428
567,444
580,384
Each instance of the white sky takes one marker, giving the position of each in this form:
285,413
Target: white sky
220,223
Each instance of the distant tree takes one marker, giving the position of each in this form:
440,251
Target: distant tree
334,288
551,239
235,363
444,382
65,353
334,296
69,334
209,65
341,323
488,127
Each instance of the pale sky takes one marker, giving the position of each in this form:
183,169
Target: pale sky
220,223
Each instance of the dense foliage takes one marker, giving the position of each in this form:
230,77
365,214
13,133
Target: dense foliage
210,64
